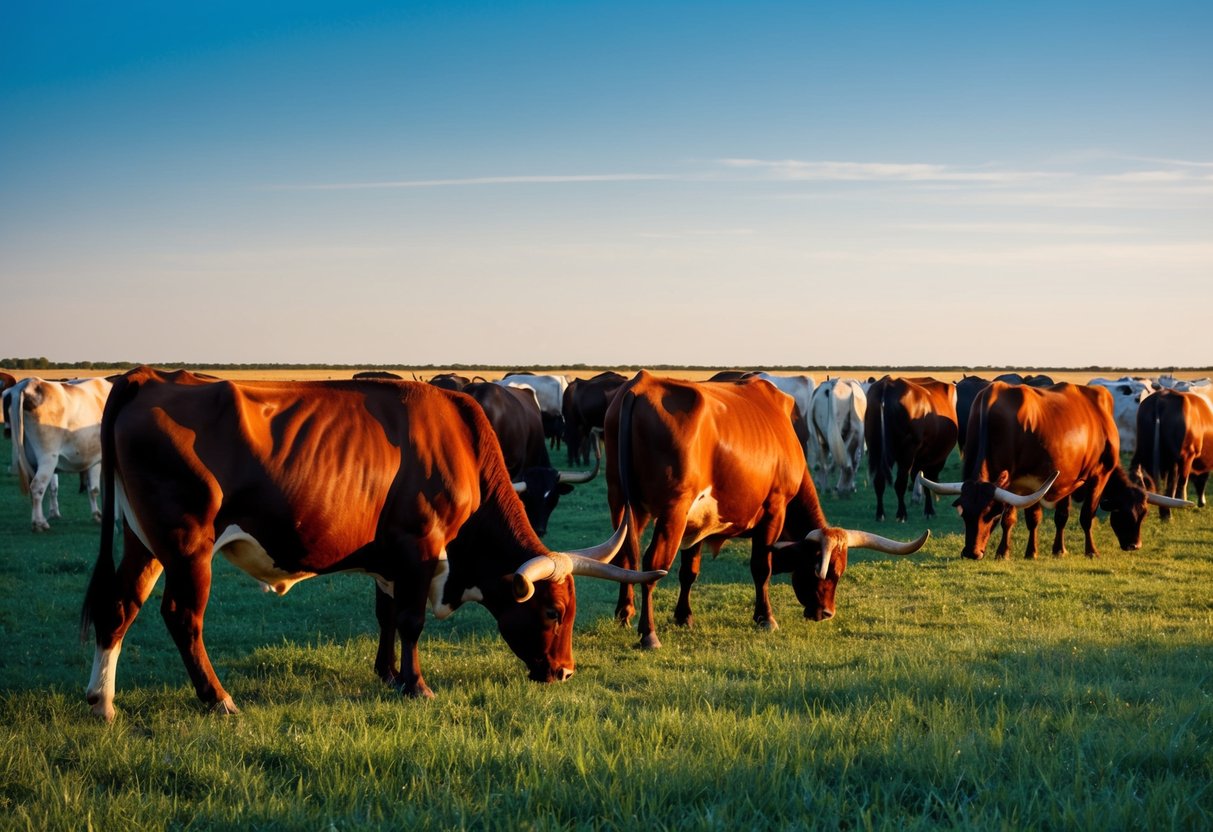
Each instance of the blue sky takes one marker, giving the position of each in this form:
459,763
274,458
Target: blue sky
701,183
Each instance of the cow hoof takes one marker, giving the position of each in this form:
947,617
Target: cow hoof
649,641
418,691
96,517
225,707
973,555
687,621
768,624
38,528
102,708
1092,554
1029,556
1060,553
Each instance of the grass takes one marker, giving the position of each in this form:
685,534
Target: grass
1053,694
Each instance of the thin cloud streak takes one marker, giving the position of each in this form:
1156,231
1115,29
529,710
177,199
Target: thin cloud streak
479,180
835,171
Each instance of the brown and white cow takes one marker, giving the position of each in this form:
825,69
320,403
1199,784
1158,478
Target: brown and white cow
288,480
56,427
1029,445
1175,442
910,423
708,462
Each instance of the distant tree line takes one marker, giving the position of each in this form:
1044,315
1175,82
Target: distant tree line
43,363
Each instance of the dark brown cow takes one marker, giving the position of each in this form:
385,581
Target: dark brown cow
966,391
709,462
515,419
378,374
288,480
7,380
450,381
585,406
1028,444
1175,443
910,422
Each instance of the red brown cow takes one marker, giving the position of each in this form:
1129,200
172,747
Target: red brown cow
910,422
1026,445
288,480
713,461
1175,442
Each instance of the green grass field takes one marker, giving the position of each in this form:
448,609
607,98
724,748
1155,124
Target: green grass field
1050,694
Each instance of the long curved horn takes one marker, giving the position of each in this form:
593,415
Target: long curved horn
817,536
606,550
1025,500
1163,501
867,540
550,567
578,477
520,487
555,566
594,569
941,487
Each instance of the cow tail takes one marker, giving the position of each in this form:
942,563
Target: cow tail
625,448
17,415
102,585
1156,469
886,459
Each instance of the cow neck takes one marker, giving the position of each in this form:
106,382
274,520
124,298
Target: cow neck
804,512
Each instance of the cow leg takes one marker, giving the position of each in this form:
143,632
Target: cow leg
52,494
765,535
187,588
928,496
903,474
878,485
667,534
1086,519
1061,516
44,480
1008,522
688,571
385,658
94,490
112,617
628,558
1198,483
1031,518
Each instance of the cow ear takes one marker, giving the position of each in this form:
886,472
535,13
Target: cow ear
565,488
960,512
1003,479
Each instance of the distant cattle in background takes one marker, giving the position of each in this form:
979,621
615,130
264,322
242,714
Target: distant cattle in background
450,381
910,423
836,426
966,391
549,392
584,408
799,387
515,419
1175,443
381,374
56,427
1195,385
1030,381
1127,395
6,381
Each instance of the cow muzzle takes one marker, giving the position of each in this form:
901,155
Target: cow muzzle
548,674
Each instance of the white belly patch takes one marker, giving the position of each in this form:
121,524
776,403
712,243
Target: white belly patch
243,550
703,519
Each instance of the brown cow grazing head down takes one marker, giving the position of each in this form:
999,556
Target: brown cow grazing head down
1027,446
289,480
709,462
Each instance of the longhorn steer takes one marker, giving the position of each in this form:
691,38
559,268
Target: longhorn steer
1028,444
709,462
400,480
1175,442
910,422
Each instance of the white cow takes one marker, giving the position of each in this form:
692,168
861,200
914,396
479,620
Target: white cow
800,388
1127,395
838,409
549,392
57,427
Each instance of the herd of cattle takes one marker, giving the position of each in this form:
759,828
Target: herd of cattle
442,498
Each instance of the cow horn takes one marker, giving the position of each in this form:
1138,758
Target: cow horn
941,487
1163,501
1025,500
817,536
519,487
579,477
867,540
556,566
606,550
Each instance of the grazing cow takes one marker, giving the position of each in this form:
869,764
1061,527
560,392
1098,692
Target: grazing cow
1031,381
289,480
56,427
549,392
1127,395
585,405
709,462
1175,439
838,412
910,422
1057,443
450,381
515,419
966,391
379,374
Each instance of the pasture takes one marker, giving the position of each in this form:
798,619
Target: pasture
1058,693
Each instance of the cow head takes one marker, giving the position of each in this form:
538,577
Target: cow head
537,621
981,503
818,561
541,489
1126,499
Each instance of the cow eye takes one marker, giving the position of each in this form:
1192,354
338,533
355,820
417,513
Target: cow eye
551,614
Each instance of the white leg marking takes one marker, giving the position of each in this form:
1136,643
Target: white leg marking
100,691
438,586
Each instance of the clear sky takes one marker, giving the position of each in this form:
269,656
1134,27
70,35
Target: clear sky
752,183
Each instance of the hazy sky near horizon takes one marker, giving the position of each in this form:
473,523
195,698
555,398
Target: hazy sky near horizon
710,183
